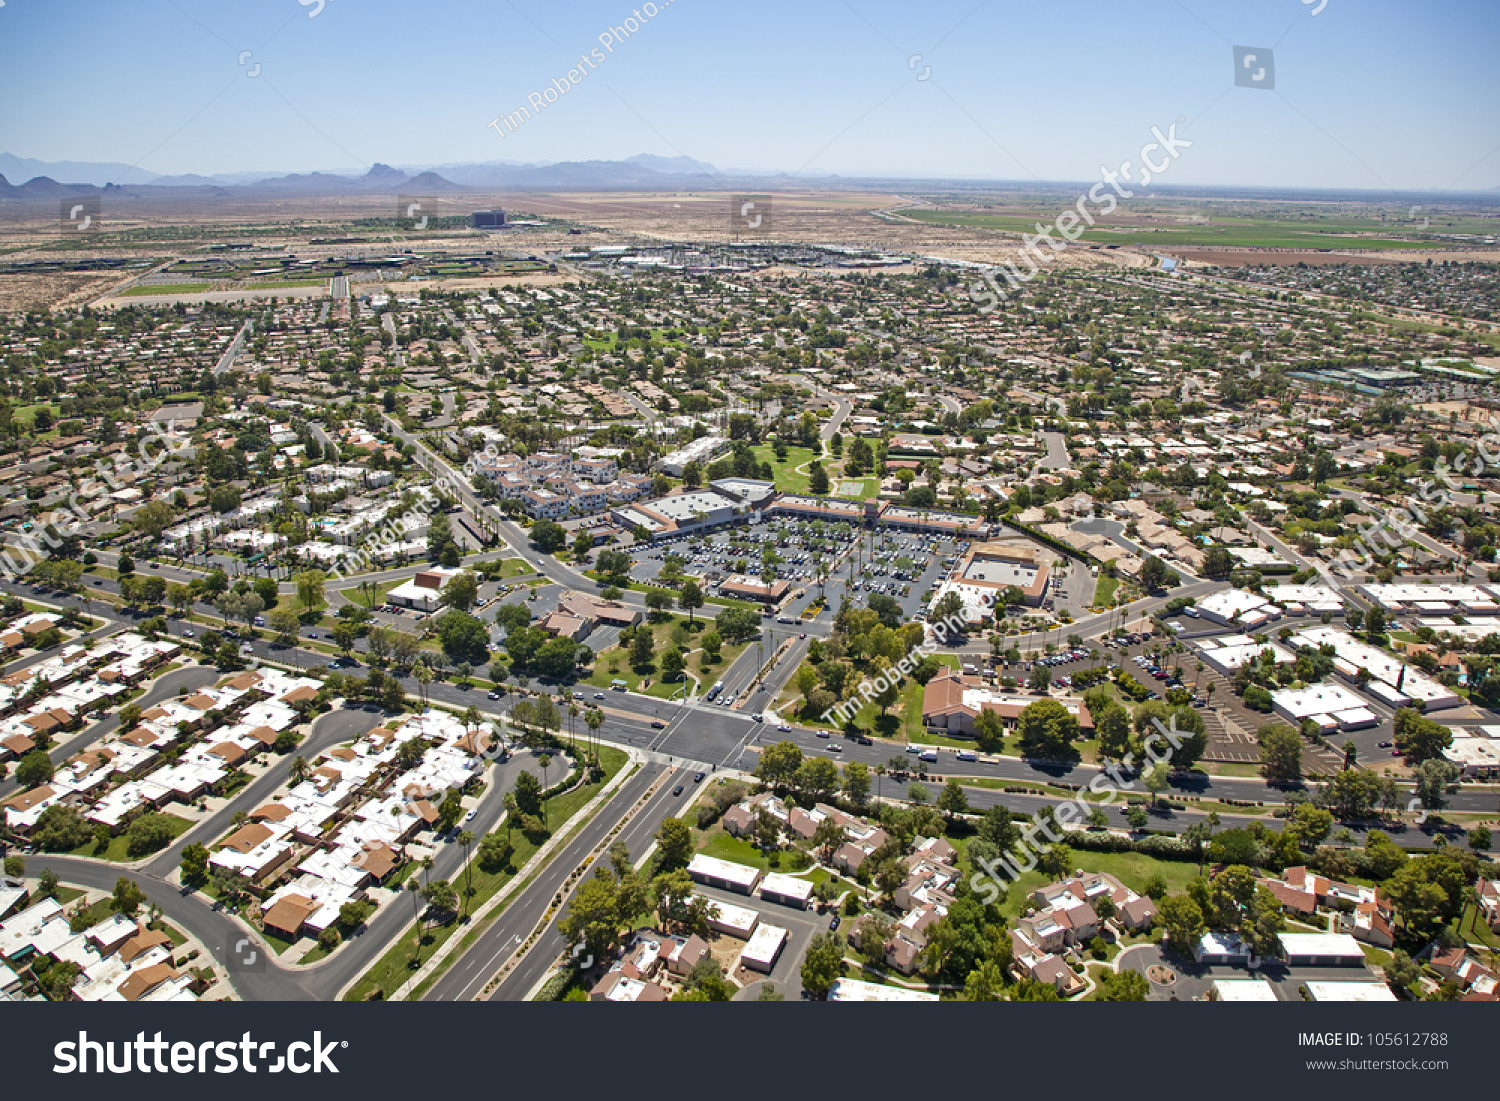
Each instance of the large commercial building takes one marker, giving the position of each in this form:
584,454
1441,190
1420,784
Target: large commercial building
487,219
680,512
986,571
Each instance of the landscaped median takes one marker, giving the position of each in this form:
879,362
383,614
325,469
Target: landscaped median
392,971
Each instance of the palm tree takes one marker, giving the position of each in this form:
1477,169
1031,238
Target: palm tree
299,769
416,917
543,761
595,719
573,713
466,838
423,672
510,812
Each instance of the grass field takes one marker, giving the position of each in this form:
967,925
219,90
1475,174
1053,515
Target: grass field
787,477
1169,232
118,852
1105,591
166,288
284,284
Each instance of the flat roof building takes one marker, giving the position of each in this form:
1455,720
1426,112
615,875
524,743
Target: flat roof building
1321,950
787,890
723,874
1349,991
857,990
764,947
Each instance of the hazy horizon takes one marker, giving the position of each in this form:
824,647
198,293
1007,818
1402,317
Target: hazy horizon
1383,95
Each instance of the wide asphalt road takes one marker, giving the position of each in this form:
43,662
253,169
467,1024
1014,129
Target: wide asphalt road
465,979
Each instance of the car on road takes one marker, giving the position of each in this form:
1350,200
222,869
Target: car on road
782,728
802,635
835,921
677,790
755,718
494,695
187,634
470,816
698,777
834,747
824,734
657,724
1385,745
578,695
598,695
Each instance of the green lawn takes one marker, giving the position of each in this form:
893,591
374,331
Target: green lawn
117,850
1105,591
788,478
515,567
1224,232
1131,869
391,970
166,288
902,721
359,598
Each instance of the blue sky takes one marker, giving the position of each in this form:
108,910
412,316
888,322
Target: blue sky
1368,93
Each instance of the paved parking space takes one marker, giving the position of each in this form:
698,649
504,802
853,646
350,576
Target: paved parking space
1191,981
861,562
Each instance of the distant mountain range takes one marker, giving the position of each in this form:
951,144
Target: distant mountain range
642,170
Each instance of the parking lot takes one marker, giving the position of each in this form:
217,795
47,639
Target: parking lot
903,566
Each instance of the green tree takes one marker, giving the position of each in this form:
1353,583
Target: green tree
690,598
128,896
824,963
674,844
1047,730
1122,986
461,591
989,731
1418,738
779,763
310,588
34,770
148,834
952,800
857,782
195,863
1280,753
1182,921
